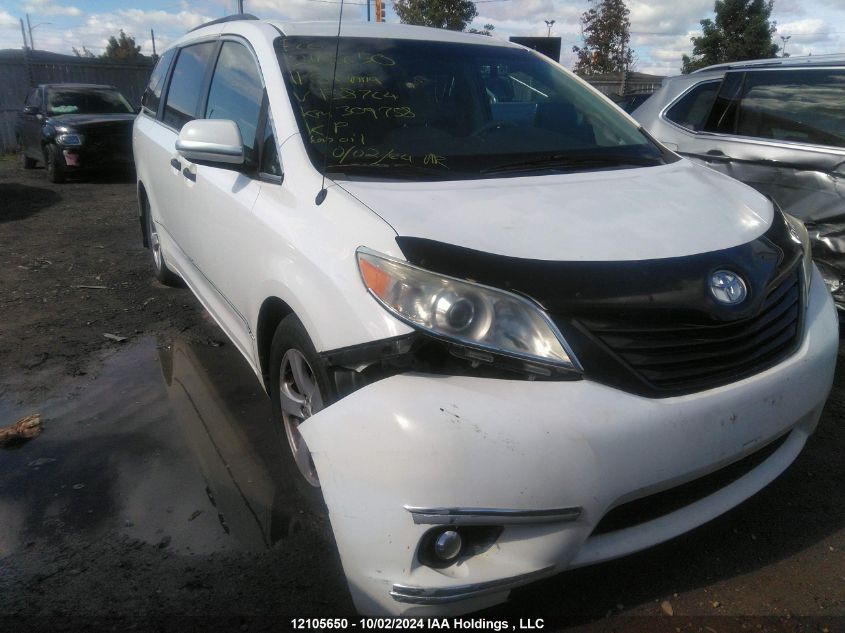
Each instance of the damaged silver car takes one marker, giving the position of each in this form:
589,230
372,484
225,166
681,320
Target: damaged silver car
775,124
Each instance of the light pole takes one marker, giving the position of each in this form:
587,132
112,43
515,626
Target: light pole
32,28
785,39
550,24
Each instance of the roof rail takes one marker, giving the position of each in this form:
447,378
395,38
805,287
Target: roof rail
784,62
229,18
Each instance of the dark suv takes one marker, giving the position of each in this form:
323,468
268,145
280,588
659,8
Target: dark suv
75,127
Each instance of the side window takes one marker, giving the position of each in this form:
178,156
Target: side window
270,165
722,116
691,110
152,95
183,96
803,106
236,92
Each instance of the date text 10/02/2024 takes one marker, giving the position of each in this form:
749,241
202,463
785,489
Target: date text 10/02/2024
422,624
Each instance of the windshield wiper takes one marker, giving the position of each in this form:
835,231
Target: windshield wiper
391,172
574,161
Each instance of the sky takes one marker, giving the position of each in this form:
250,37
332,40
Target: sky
660,29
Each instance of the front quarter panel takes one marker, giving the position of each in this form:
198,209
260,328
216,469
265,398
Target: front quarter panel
307,257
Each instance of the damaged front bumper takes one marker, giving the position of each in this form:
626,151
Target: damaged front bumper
537,466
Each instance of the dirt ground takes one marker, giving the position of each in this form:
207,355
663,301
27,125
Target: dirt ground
134,511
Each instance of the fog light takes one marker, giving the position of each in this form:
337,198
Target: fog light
448,545
444,546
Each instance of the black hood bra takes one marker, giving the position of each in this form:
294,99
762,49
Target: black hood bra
653,327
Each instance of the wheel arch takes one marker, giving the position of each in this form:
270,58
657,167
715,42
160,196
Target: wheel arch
271,313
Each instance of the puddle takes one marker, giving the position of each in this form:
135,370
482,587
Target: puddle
172,444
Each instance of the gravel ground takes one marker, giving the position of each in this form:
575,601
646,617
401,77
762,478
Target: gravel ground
119,516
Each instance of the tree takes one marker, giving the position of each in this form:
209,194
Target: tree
742,30
83,53
454,15
122,49
487,30
606,30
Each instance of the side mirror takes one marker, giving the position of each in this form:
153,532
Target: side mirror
214,141
31,109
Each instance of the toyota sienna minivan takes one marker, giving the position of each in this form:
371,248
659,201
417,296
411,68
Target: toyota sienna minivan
504,331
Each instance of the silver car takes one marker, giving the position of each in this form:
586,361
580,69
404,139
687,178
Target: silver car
775,124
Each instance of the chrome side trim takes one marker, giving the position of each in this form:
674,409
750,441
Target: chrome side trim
445,595
486,516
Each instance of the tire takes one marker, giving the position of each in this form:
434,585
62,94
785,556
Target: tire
160,269
299,387
27,162
54,163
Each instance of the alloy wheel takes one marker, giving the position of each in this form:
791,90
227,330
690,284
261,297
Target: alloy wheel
300,398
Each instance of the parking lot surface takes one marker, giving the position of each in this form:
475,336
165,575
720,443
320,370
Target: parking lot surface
154,493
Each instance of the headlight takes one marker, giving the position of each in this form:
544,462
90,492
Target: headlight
467,313
800,235
69,139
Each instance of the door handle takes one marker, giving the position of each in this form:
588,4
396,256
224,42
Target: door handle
187,173
717,156
175,164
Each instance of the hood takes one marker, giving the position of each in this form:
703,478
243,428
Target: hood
82,121
622,215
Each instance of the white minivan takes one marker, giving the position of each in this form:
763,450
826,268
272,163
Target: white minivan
505,332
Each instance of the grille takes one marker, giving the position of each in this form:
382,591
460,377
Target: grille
686,358
663,503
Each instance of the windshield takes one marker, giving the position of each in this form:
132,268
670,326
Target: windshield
412,109
86,101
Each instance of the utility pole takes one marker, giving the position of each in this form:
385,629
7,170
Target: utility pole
624,85
31,29
27,53
369,18
153,36
23,34
240,6
379,10
31,43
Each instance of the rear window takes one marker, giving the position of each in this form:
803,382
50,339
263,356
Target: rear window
803,106
414,109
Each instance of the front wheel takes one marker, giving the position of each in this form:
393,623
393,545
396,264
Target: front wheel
54,163
299,388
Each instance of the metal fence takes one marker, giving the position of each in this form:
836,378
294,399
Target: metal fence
20,72
617,84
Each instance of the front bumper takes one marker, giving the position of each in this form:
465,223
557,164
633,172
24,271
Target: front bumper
84,158
434,442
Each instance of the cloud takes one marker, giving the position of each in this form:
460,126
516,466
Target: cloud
660,29
806,31
50,7
8,21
